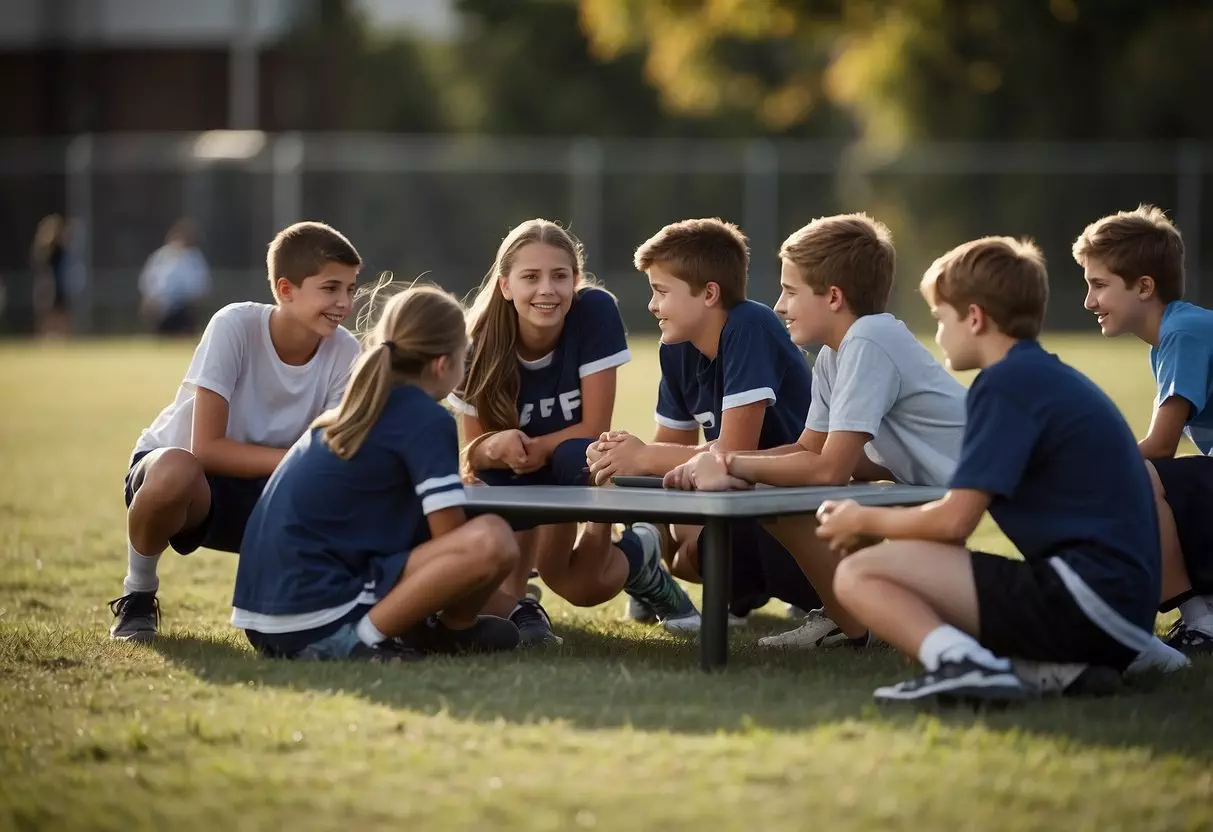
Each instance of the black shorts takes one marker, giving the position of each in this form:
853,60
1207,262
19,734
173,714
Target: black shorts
1027,612
763,569
232,501
1188,483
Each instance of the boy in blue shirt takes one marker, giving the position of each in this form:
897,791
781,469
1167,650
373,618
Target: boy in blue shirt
1052,459
1133,263
728,368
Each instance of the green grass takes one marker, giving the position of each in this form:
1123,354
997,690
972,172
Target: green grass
616,730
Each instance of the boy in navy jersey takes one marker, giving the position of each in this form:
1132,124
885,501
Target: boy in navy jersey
540,387
728,368
1133,262
359,547
1051,458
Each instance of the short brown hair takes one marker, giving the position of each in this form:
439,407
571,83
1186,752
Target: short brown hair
301,250
1004,276
851,251
1134,244
699,252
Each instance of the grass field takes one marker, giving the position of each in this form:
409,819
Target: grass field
617,730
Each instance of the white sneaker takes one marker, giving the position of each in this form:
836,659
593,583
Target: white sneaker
683,625
1158,657
818,630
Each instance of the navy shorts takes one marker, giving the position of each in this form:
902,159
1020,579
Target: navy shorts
1025,611
1188,483
232,502
763,569
567,466
332,641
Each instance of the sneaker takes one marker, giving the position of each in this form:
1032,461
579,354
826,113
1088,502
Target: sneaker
657,589
795,612
957,680
640,612
136,617
534,625
489,634
1189,641
388,651
1158,657
818,630
1066,679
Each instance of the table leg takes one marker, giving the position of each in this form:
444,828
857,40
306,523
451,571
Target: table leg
716,569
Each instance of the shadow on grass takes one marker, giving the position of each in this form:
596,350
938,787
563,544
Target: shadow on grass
607,680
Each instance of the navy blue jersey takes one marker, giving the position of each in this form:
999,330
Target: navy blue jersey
756,361
593,339
328,534
1067,483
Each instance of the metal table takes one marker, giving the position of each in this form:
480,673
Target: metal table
712,510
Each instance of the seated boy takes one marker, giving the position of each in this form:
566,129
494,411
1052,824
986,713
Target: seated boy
876,388
259,376
1052,459
1134,267
729,368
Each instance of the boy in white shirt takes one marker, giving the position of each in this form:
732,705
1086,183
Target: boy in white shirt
259,376
882,407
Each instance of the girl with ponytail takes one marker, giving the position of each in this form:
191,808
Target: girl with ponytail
359,547
547,342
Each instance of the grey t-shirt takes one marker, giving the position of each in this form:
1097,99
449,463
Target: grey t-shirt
883,382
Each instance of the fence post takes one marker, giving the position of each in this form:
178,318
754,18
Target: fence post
760,213
286,159
585,165
79,205
1188,210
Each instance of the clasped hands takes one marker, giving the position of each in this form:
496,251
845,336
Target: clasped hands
619,453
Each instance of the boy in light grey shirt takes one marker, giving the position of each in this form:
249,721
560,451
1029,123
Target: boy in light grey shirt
882,382
882,406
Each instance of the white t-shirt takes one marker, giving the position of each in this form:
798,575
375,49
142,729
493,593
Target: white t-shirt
269,402
883,382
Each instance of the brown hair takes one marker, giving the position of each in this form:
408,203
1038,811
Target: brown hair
492,380
699,252
1004,276
416,326
302,250
1134,244
851,251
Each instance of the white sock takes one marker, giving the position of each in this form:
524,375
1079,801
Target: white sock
649,537
368,633
946,642
1197,614
140,571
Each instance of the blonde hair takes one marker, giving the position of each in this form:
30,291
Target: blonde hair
699,252
492,381
417,325
851,251
1134,244
1004,276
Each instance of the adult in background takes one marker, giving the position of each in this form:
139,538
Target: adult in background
174,281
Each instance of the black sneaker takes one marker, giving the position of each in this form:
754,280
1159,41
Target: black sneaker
1188,641
388,651
489,634
534,625
963,680
136,617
